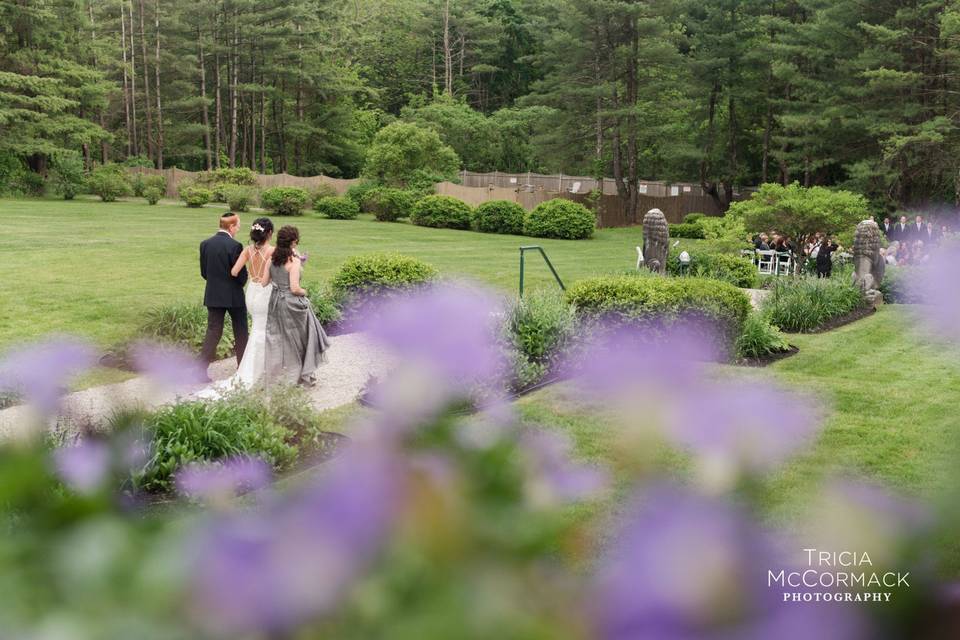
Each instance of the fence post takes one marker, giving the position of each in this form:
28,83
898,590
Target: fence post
172,183
560,186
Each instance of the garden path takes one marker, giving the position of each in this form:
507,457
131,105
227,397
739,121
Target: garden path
353,358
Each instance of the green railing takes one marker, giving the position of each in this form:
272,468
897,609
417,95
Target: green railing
523,251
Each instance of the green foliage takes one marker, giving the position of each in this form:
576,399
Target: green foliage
109,182
194,196
238,197
899,285
337,208
284,201
693,218
499,216
401,149
183,325
691,231
740,272
800,212
804,304
657,300
388,205
325,304
380,273
152,194
729,227
320,192
541,326
560,218
442,212
138,161
357,192
66,174
192,432
759,338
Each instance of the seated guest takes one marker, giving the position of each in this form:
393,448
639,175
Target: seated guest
903,254
919,253
825,257
890,253
762,242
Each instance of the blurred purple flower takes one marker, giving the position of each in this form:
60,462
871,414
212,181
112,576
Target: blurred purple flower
687,567
303,257
751,427
937,286
224,479
40,372
168,365
84,467
555,476
268,571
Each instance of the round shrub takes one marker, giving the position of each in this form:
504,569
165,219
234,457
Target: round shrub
157,182
137,185
693,218
320,192
284,201
66,174
560,218
195,197
109,182
499,216
238,197
152,194
379,273
740,272
656,302
388,205
337,208
442,212
357,191
686,230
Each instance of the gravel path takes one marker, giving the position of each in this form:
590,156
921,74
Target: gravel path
352,360
756,295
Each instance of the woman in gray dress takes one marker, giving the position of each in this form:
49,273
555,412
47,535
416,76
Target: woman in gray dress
296,342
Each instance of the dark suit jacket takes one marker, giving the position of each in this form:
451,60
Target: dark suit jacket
887,230
217,256
918,234
900,234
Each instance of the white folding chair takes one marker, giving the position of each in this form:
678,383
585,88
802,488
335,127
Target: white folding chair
639,257
784,263
575,188
765,261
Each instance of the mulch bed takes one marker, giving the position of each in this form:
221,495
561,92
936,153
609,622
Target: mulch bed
839,321
768,359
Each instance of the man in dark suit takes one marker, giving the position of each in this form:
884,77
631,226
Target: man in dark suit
918,230
888,228
901,230
223,293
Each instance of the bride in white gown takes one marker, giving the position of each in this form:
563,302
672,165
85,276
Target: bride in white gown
256,257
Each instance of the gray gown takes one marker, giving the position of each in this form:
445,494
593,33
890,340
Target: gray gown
296,342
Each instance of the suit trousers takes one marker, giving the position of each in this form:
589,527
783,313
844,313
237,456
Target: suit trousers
215,317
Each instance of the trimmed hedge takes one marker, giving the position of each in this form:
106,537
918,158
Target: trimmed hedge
378,273
441,212
499,216
560,218
660,301
388,205
284,201
805,304
337,208
194,196
692,231
740,272
693,218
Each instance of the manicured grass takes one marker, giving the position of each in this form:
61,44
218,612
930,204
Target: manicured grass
93,268
891,396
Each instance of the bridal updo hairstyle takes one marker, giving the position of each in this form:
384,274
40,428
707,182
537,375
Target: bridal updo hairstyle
285,239
260,230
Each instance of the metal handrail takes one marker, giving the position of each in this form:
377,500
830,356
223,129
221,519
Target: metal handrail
523,251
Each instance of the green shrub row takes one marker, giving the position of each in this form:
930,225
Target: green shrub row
693,231
734,269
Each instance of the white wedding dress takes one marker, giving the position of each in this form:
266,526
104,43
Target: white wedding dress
257,298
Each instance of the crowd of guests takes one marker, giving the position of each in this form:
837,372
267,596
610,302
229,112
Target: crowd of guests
819,249
911,241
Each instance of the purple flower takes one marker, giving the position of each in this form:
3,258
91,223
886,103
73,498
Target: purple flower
303,257
687,567
448,330
84,467
224,479
937,287
554,476
268,571
747,427
168,365
40,372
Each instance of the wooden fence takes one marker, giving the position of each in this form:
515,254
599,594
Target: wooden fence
578,184
175,176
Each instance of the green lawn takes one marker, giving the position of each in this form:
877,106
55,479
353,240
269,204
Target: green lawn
92,268
892,397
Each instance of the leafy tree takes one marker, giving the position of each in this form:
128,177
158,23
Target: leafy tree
401,150
66,174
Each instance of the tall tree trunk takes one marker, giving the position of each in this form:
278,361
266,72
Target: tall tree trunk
100,115
146,86
234,79
281,166
296,143
218,113
156,23
632,98
203,98
126,88
447,52
263,124
767,129
133,86
253,117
